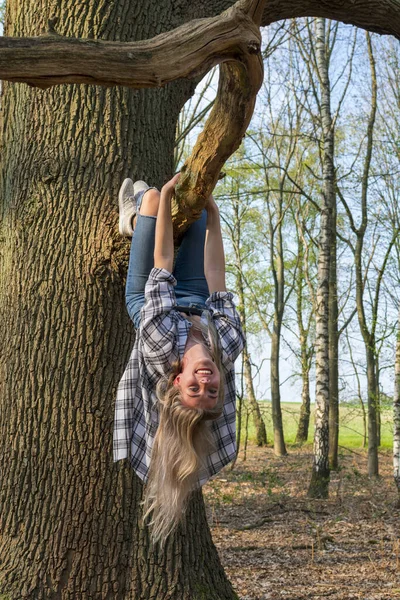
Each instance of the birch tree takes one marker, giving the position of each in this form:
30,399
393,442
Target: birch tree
317,57
319,484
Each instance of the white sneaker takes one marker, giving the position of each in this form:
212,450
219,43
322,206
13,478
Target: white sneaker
127,201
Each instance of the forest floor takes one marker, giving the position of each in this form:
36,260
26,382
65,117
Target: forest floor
276,544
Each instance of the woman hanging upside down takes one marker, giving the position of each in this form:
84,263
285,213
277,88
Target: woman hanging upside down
175,407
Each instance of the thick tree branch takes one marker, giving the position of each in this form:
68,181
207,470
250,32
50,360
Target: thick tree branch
232,40
187,51
380,16
222,134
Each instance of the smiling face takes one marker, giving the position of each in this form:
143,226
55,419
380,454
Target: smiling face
199,382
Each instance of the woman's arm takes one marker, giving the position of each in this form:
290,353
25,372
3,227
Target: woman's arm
164,241
214,257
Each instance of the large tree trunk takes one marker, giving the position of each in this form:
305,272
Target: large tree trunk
71,526
319,485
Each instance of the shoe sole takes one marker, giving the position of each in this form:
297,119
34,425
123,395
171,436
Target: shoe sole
121,195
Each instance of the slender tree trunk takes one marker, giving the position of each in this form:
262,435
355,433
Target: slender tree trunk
239,415
368,334
261,432
277,264
333,346
70,519
373,466
305,410
279,440
362,406
364,417
378,403
396,417
319,485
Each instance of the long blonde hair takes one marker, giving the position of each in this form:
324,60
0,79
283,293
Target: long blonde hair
180,449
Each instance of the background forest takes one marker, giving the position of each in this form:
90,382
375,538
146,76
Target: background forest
325,127
270,200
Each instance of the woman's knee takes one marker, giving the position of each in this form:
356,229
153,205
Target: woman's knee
150,203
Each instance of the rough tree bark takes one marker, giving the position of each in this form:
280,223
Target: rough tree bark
70,519
319,485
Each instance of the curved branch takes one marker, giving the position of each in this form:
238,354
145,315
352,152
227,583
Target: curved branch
221,136
187,51
380,16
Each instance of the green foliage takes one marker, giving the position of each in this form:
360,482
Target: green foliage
2,11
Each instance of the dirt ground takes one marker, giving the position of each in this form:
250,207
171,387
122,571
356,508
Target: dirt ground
276,544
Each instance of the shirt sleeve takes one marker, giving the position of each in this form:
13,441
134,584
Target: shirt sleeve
158,325
228,325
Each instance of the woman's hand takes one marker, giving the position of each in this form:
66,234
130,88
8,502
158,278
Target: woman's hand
164,242
169,188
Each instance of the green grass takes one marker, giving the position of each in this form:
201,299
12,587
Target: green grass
350,424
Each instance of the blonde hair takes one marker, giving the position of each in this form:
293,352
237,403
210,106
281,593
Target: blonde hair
181,446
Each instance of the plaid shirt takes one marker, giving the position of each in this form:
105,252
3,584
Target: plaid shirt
160,341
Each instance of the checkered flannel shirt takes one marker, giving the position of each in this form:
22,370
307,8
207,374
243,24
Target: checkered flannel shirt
160,341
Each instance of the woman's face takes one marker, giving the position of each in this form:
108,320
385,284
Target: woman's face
199,382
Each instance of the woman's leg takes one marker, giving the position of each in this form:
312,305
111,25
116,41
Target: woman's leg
192,286
141,259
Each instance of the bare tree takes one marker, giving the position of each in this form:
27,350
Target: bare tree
317,57
366,289
276,148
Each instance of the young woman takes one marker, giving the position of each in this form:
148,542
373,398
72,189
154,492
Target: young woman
175,407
